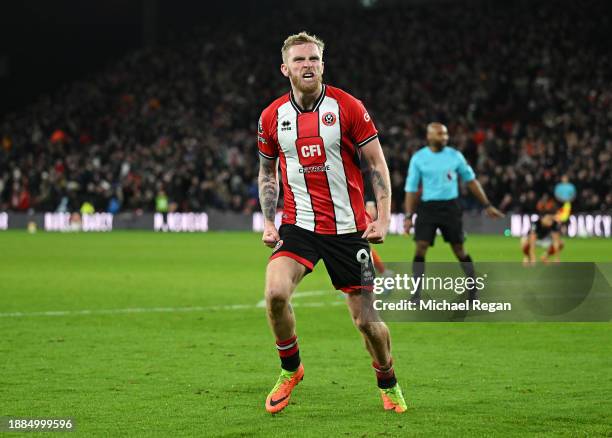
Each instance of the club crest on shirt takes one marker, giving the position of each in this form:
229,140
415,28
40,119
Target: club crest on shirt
260,127
328,119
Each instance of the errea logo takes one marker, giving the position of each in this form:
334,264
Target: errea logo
286,125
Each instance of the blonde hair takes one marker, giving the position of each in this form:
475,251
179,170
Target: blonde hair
301,38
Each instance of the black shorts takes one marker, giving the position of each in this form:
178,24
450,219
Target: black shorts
346,256
444,215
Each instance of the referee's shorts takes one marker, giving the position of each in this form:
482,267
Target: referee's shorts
447,216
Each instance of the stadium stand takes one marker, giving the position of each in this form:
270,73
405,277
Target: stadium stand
180,119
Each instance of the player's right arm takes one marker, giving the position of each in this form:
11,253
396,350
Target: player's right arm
268,198
267,179
410,198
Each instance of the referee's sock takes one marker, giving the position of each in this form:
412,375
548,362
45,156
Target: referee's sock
418,269
468,269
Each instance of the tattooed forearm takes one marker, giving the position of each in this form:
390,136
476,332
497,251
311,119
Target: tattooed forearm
268,188
379,175
380,184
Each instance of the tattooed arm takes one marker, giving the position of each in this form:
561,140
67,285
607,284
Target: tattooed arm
268,198
381,184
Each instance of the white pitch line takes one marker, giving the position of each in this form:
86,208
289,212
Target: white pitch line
153,310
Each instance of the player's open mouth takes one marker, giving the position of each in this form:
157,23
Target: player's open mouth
308,75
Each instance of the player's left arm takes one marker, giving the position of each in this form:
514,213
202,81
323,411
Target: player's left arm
381,185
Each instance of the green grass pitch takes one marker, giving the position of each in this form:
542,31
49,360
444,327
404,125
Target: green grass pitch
194,355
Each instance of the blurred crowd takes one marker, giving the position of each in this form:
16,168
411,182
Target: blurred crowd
524,88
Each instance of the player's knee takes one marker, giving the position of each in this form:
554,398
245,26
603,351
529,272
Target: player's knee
277,297
364,325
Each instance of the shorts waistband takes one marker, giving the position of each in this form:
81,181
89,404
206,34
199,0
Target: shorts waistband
441,202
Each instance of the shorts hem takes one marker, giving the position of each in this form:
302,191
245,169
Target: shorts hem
419,239
354,289
297,258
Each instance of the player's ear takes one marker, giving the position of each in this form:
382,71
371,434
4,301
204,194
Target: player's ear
284,70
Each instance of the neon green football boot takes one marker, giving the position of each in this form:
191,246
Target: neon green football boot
393,399
278,398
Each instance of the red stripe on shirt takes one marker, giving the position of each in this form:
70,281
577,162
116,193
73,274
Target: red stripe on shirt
316,182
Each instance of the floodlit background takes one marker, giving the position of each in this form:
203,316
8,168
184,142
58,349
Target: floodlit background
122,118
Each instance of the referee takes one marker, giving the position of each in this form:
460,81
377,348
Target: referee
437,168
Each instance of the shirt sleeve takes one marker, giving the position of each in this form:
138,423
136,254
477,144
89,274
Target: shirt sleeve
465,170
413,178
265,143
362,129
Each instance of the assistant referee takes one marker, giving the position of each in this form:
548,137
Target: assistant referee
437,167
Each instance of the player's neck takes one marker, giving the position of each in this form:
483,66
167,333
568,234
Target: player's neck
306,101
435,148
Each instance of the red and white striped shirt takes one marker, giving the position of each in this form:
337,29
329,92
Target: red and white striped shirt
319,158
